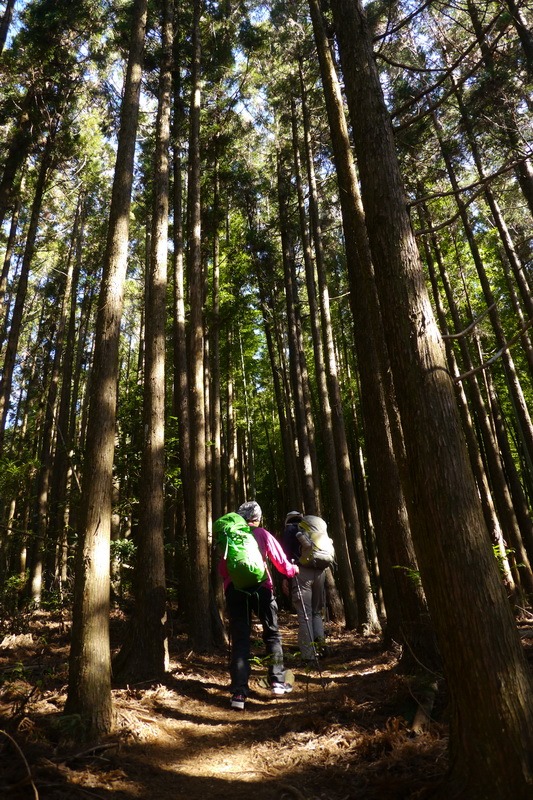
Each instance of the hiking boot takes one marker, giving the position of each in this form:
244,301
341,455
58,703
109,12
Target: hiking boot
237,701
281,688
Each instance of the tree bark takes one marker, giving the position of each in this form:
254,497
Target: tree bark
337,527
491,726
180,378
60,499
144,655
197,523
306,458
515,388
89,691
407,616
215,408
367,612
42,543
6,22
6,266
18,310
291,494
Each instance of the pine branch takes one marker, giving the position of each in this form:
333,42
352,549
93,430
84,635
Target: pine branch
496,356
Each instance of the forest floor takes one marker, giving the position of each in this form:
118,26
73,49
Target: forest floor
344,732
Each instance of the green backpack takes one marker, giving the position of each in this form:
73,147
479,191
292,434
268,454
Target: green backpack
246,566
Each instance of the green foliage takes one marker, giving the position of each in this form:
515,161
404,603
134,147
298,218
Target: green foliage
253,37
70,727
501,558
123,555
412,574
16,474
11,591
52,600
123,550
173,479
18,671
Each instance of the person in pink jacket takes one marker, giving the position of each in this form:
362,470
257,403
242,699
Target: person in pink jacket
260,599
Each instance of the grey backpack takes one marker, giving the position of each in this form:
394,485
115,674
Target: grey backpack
316,546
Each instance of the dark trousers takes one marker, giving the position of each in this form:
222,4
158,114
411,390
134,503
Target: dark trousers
240,603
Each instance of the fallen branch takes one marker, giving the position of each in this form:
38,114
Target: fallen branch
292,790
92,751
77,788
17,748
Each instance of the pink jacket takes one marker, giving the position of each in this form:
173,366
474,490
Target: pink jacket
271,550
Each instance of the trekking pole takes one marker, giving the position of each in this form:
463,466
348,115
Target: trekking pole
308,623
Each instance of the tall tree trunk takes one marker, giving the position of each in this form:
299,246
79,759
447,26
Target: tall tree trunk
62,467
524,538
489,510
16,319
354,613
215,410
491,727
215,406
197,523
180,379
368,618
89,691
291,493
5,22
500,488
407,617
513,382
144,655
250,457
5,269
308,473
49,427
231,433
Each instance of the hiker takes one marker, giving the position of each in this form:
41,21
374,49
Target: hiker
300,537
260,599
289,542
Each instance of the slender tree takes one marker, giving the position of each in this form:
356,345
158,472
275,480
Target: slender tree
368,618
144,655
197,522
18,311
309,476
89,691
5,22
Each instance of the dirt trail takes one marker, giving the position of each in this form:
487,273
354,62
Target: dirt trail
341,734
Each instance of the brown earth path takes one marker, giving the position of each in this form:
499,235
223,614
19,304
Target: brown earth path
342,733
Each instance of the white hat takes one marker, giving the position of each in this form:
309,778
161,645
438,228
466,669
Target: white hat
251,511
